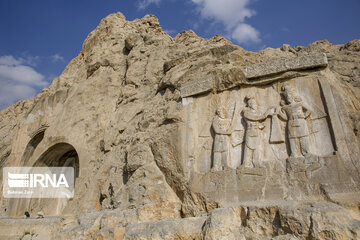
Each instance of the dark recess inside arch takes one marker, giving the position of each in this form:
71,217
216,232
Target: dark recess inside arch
60,155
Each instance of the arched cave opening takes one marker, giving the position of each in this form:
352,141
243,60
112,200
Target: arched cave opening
58,155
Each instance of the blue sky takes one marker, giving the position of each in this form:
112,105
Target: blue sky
39,37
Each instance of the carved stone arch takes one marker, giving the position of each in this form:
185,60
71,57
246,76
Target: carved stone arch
60,154
35,138
41,129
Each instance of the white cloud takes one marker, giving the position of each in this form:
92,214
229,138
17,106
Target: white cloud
145,3
11,93
9,61
245,33
22,74
170,32
30,60
17,80
232,14
57,58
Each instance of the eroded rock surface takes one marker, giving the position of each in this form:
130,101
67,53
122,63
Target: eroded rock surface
192,138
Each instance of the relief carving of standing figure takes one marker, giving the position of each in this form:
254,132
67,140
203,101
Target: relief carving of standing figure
296,113
252,118
222,128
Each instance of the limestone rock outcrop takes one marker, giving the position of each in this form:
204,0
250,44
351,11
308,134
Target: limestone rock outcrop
192,138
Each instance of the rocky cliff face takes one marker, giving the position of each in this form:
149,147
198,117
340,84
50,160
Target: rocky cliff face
192,138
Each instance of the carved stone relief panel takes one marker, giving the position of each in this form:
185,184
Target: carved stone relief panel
249,127
278,136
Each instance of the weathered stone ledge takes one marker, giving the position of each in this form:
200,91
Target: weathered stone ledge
196,87
286,64
265,69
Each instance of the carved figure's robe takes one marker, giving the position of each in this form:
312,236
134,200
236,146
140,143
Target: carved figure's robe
222,131
252,135
297,125
252,139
